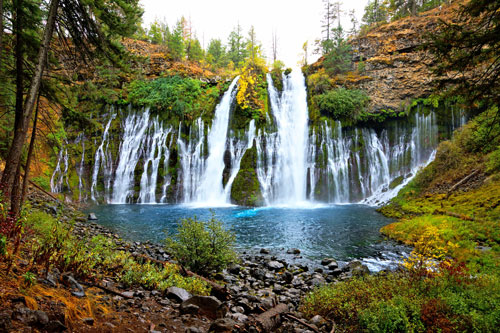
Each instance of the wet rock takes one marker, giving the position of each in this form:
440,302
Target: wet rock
333,265
287,277
223,325
264,251
275,265
92,217
178,295
360,270
209,306
327,261
293,251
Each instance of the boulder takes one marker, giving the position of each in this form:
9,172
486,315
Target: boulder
209,306
223,325
178,295
275,265
92,217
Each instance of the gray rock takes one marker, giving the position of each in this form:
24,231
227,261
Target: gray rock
88,321
42,318
333,265
55,326
293,251
264,251
223,325
275,265
327,261
318,321
209,306
193,329
178,295
239,317
92,217
287,277
360,270
5,322
76,289
191,309
128,294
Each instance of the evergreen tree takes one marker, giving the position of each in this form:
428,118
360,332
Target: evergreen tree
196,52
175,42
216,54
237,52
376,11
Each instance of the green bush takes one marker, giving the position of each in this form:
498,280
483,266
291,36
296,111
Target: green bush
493,163
202,246
342,104
3,245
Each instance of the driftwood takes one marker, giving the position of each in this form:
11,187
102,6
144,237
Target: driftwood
45,192
269,320
217,290
111,291
289,316
463,180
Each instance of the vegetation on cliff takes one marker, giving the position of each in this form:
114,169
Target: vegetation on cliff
246,187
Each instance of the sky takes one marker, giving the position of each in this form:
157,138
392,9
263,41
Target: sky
294,21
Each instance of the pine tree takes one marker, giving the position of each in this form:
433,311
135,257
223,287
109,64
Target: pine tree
175,42
237,47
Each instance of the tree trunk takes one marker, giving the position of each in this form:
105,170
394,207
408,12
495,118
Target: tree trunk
21,128
1,32
28,160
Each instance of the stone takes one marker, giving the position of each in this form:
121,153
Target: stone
275,265
234,269
333,265
5,322
128,294
327,261
223,325
178,295
293,251
318,321
264,251
41,317
92,217
55,326
88,321
287,277
76,289
239,317
360,270
209,306
191,309
193,329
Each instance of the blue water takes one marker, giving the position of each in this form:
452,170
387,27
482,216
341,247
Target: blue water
343,232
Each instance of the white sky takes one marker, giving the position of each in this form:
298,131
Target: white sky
294,21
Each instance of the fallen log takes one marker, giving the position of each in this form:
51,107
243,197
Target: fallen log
109,290
45,192
269,320
463,180
303,323
457,215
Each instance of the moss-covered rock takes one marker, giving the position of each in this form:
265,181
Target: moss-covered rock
246,187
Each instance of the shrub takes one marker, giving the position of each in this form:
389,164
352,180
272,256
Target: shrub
493,163
3,245
202,246
342,104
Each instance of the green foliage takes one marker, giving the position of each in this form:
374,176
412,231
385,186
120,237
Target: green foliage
237,47
3,245
174,96
175,42
493,163
246,190
29,279
342,104
338,58
216,54
450,301
202,246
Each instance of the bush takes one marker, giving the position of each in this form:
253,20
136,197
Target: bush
202,246
342,104
3,245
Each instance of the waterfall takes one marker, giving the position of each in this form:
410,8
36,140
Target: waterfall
103,161
81,167
325,163
202,178
134,127
155,149
282,171
60,174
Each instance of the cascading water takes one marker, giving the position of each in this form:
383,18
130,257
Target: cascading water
295,163
209,191
103,161
282,155
60,174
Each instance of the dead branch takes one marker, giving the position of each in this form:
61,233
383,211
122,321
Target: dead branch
289,316
463,180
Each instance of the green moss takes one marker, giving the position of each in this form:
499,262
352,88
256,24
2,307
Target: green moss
245,190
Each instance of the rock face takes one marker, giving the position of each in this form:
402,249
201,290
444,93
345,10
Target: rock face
246,187
395,64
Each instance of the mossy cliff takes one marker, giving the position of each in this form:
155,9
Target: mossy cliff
246,187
